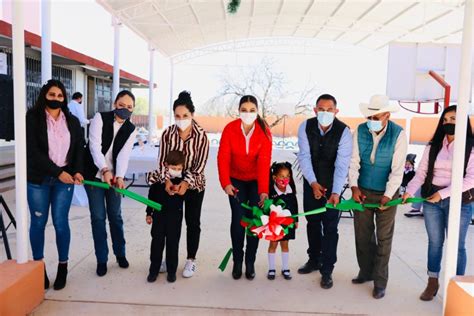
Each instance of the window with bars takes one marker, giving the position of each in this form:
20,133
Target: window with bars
33,77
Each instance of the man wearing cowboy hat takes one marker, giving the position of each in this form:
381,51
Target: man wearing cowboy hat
375,175
325,145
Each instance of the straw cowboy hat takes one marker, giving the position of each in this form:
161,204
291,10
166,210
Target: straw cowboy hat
378,104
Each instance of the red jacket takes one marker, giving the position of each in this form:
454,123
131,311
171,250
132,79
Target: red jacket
233,161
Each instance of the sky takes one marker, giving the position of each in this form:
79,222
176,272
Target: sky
351,74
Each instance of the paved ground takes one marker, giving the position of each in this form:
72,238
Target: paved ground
211,292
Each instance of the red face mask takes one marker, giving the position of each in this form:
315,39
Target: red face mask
282,182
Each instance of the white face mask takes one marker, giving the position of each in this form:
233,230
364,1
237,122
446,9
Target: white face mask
248,117
375,126
174,173
183,124
325,118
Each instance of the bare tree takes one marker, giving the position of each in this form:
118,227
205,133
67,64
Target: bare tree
263,81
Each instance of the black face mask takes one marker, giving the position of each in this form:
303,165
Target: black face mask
449,128
54,104
123,113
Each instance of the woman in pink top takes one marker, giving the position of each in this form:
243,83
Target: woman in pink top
434,178
54,147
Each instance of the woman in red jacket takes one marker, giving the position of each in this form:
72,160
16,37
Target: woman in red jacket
244,165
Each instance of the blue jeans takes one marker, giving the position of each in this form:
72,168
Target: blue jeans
436,223
40,196
102,204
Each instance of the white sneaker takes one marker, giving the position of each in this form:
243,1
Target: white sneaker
189,268
163,267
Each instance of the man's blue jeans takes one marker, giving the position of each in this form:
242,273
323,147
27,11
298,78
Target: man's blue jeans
40,196
436,223
106,204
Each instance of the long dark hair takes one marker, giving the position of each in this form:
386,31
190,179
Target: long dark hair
184,99
260,121
276,168
436,144
40,104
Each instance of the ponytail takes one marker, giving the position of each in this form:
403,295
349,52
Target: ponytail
263,125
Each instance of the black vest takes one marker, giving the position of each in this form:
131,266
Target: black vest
324,150
121,138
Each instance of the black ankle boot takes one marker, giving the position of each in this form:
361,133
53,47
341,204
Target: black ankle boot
249,271
153,273
101,269
237,270
46,280
122,262
61,277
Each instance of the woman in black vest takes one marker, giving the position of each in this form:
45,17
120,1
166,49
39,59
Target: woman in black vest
54,146
111,138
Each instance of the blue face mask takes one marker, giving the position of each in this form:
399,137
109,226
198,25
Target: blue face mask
123,113
325,118
374,126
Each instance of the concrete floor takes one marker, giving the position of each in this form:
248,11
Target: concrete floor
211,292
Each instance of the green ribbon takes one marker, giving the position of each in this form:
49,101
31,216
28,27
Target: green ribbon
101,185
347,205
343,206
134,196
257,213
225,260
393,202
351,205
316,211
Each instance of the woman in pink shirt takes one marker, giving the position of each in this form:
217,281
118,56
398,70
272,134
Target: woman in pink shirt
434,178
54,146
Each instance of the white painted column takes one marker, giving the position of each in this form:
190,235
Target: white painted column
19,91
171,118
116,77
46,52
151,86
459,147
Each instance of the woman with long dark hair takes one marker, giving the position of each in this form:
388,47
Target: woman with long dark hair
111,138
54,146
434,178
188,137
244,171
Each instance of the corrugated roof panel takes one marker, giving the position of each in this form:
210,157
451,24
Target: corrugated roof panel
353,9
295,7
327,34
180,15
289,19
208,11
352,37
268,8
371,23
323,8
303,32
260,32
283,31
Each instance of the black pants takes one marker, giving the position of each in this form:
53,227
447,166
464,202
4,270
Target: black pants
166,229
192,214
322,231
248,193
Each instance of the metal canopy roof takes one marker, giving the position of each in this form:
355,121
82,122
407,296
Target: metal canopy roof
179,26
